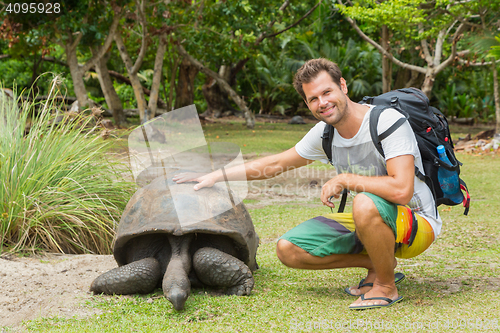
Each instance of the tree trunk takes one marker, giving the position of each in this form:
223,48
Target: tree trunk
213,96
112,99
76,75
496,95
139,96
406,78
415,79
217,99
430,76
184,90
37,60
386,62
173,75
132,70
77,71
157,75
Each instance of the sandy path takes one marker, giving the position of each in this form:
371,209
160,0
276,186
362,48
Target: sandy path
52,285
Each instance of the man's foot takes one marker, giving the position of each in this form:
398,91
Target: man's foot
379,296
364,286
388,301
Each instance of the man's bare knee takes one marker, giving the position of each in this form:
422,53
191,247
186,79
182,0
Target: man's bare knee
363,210
286,252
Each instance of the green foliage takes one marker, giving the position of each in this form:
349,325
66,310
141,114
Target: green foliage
280,58
275,91
475,84
447,100
14,73
495,49
479,90
225,33
407,12
229,29
126,94
61,189
466,107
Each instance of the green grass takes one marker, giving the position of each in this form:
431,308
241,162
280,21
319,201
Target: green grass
264,138
455,282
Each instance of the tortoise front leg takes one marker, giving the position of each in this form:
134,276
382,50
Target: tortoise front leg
219,269
138,277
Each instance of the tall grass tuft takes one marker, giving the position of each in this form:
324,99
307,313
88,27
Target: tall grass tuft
60,188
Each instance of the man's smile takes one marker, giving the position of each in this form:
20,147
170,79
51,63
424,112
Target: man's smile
327,111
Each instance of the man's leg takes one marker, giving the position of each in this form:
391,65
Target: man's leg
295,257
323,242
378,240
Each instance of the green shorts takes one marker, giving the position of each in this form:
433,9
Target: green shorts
335,233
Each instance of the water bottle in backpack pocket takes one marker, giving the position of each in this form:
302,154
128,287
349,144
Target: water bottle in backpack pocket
449,181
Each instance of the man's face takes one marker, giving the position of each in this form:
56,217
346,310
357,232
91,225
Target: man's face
326,100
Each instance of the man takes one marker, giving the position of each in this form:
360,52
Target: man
380,219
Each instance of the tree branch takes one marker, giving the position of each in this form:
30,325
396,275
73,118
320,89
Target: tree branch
74,43
380,48
222,83
425,45
477,64
55,61
142,52
439,47
453,54
235,69
284,5
262,37
462,20
197,14
107,43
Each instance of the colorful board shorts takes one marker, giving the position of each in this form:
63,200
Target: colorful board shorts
335,233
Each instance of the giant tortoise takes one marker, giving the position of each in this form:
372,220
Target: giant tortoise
154,248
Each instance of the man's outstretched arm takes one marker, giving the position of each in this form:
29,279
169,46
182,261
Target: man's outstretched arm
263,168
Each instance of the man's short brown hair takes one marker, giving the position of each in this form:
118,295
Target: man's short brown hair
311,69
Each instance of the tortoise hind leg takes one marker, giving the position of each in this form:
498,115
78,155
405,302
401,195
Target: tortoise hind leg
138,277
219,269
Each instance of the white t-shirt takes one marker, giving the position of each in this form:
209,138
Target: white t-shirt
358,155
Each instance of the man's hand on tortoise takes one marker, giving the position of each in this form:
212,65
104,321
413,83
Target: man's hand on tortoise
203,179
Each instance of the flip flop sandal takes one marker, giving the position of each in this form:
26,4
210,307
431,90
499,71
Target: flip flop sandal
398,278
365,307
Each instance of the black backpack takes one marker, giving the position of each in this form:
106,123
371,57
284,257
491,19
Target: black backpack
431,130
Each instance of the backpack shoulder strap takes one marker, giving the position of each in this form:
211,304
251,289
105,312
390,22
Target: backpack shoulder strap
327,147
376,138
327,141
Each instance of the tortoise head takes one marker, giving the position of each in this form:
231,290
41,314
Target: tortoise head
176,285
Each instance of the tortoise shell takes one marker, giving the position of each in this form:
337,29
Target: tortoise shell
166,207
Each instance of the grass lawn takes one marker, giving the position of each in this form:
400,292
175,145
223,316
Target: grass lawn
454,285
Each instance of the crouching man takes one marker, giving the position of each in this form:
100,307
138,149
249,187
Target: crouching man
393,213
